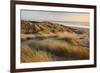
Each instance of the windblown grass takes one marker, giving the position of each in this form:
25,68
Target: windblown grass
29,54
63,49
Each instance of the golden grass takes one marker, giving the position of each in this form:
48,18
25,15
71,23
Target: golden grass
29,54
41,36
63,49
66,43
41,51
72,41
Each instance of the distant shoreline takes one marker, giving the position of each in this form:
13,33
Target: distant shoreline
78,26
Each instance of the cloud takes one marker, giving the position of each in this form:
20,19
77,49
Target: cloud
54,16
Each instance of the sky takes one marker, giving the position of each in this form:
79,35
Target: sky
54,16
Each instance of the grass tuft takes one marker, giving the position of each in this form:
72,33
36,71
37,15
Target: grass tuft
29,54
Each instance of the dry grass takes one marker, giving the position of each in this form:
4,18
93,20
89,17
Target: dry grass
63,49
72,41
43,51
40,51
29,54
61,42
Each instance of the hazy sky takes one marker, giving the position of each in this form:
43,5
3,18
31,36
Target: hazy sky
54,16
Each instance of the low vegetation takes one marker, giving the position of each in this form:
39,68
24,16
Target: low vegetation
62,49
29,54
52,42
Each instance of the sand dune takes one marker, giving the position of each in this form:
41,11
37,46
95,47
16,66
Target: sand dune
46,41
